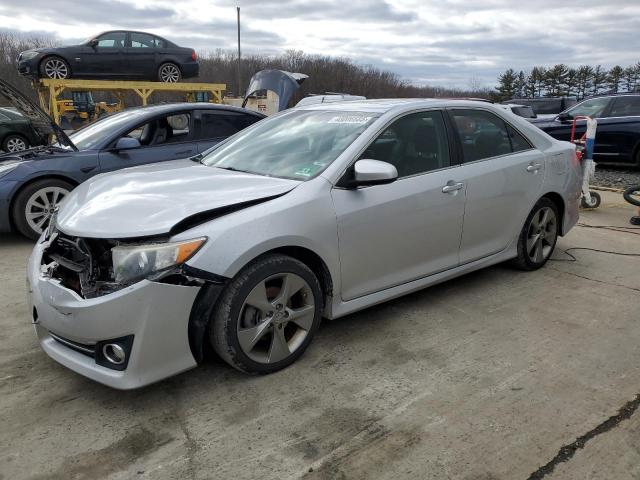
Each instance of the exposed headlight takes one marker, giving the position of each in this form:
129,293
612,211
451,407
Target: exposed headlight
135,262
29,54
7,167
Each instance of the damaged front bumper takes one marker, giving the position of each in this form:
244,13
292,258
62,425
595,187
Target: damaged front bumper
152,316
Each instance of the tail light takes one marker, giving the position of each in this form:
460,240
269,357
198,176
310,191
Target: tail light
193,55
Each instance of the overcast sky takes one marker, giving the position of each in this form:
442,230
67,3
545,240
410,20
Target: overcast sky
444,42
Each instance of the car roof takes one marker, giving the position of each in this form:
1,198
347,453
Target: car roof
161,108
388,104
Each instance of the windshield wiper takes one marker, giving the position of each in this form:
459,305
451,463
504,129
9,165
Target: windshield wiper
234,169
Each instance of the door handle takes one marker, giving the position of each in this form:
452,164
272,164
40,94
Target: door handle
451,187
534,167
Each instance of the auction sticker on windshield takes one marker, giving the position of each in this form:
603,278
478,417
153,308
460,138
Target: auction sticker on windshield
357,119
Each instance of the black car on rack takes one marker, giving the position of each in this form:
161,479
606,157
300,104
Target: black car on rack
618,132
118,54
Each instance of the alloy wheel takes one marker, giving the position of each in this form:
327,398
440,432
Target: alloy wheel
16,144
541,235
169,73
275,318
41,205
56,68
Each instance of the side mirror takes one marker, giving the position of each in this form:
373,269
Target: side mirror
563,117
93,43
372,172
127,143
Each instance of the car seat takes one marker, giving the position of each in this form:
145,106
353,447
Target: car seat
163,132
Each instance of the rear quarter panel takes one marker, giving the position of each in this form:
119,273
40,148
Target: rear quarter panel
563,175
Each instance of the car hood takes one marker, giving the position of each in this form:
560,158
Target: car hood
43,125
153,200
284,84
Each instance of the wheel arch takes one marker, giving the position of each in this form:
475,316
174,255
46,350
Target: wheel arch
52,54
207,298
32,180
559,202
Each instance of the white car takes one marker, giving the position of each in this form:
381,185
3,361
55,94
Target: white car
315,212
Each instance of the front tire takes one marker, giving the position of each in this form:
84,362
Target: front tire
538,236
169,73
56,68
266,317
14,143
35,204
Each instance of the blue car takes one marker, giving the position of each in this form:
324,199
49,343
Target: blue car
34,181
618,132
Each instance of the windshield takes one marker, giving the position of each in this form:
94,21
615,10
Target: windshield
296,145
90,136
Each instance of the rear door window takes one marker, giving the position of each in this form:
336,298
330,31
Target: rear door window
482,134
626,107
143,40
223,124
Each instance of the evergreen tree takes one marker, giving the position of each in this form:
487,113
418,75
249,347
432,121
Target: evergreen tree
507,85
539,75
598,79
572,83
614,78
530,86
520,85
583,80
556,79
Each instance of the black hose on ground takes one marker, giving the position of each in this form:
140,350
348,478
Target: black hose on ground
629,195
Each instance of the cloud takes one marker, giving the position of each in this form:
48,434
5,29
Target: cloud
446,42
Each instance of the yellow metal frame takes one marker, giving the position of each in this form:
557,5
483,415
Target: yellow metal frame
50,89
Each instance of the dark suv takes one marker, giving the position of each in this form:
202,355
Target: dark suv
618,133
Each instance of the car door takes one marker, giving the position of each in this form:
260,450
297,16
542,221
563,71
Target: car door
213,126
620,131
141,54
161,139
503,175
597,108
399,232
107,57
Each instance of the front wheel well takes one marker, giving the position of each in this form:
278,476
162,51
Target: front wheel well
558,201
314,262
33,180
52,55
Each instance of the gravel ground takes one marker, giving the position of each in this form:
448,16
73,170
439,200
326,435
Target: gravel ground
616,177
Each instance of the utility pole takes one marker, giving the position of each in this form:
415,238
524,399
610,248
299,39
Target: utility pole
239,79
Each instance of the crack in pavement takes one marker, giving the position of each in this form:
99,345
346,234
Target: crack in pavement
568,451
595,280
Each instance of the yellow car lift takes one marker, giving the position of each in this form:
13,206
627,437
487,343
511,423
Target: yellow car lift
50,89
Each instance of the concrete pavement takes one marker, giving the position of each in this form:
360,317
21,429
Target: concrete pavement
484,377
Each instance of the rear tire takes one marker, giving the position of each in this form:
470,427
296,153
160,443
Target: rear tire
35,204
538,236
267,315
169,73
14,143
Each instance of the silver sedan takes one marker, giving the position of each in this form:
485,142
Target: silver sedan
313,213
